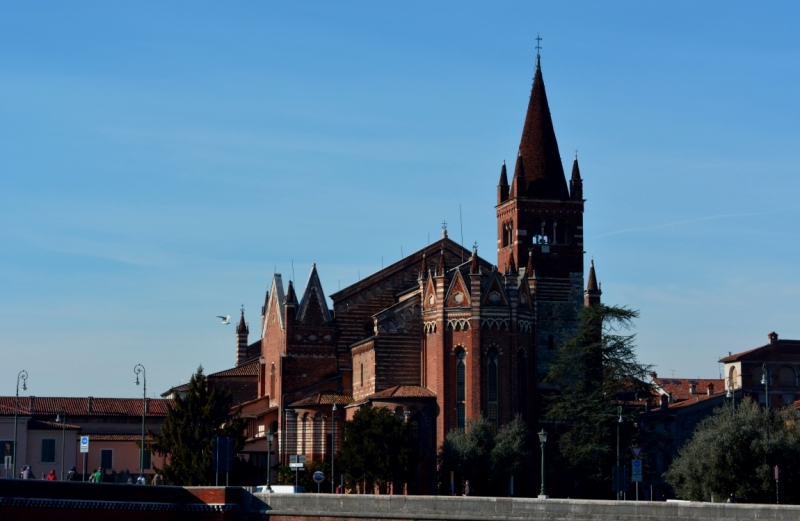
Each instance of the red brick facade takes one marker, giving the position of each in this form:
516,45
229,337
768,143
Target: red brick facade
442,336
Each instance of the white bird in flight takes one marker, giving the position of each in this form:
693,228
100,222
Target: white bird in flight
225,319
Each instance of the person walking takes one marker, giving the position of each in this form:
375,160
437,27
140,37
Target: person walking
52,476
27,473
72,475
98,476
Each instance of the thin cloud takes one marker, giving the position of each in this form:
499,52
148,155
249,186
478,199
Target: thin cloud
689,221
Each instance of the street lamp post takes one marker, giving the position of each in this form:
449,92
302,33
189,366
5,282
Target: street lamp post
617,471
270,434
23,375
139,369
542,441
62,419
765,381
333,443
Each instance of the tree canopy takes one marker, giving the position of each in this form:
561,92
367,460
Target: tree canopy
377,449
188,432
484,459
730,452
595,372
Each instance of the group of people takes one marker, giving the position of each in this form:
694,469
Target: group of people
99,476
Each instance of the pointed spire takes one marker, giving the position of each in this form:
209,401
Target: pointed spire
544,172
502,187
576,183
529,267
518,183
291,297
592,285
266,303
512,266
441,268
474,267
423,270
242,331
313,310
242,326
593,291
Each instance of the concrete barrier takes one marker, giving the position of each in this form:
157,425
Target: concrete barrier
299,507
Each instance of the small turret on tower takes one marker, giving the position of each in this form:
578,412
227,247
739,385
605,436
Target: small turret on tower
591,296
502,186
576,183
242,331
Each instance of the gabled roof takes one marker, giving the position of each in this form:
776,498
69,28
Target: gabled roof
790,348
679,389
541,161
403,391
276,299
313,309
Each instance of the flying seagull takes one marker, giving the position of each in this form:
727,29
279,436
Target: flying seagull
225,319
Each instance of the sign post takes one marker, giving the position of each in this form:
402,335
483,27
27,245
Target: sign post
318,478
85,452
297,462
777,473
636,468
222,457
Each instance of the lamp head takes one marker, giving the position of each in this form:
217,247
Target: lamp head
24,387
729,394
269,435
137,379
764,379
543,436
58,418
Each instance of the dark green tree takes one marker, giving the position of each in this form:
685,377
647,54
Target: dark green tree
730,452
484,459
596,371
188,432
377,450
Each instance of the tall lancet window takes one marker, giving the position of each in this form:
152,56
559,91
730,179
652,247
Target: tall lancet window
491,388
272,382
461,388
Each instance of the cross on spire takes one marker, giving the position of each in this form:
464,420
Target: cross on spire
538,44
444,225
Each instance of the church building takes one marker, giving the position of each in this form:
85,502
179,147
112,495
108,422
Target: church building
442,336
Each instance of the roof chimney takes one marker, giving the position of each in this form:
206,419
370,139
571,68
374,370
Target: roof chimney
664,402
31,406
773,337
89,403
692,388
710,388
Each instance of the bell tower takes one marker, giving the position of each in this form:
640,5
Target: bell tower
540,224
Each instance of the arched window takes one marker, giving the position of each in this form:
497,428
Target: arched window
461,388
787,377
362,375
537,230
491,387
734,378
549,231
508,233
272,382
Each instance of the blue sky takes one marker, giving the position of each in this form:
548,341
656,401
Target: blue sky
160,160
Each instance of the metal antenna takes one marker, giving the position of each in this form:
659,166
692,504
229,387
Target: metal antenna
292,269
538,44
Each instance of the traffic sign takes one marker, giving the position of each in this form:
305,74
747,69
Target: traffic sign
84,444
636,451
318,477
299,466
637,470
298,458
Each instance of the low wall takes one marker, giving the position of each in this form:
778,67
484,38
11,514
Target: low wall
301,507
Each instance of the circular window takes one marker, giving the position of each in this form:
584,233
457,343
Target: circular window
494,297
459,298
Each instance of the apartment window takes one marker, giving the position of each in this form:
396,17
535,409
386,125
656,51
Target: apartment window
491,387
461,388
107,458
48,451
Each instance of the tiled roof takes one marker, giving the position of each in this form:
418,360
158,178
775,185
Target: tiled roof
737,356
51,406
403,391
323,399
245,369
679,388
119,437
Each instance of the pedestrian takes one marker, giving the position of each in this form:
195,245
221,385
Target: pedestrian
467,489
732,498
27,473
72,475
156,480
338,489
52,476
140,480
98,476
